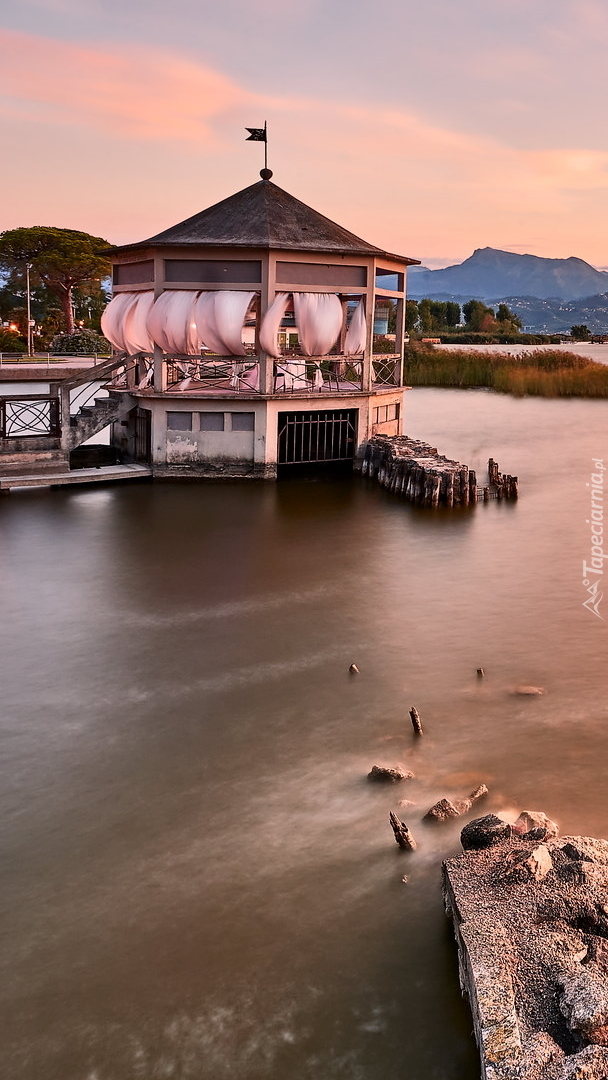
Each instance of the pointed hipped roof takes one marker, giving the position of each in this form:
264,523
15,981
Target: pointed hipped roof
264,216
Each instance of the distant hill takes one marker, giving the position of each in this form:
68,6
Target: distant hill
489,273
557,316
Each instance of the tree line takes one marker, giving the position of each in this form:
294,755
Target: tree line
446,316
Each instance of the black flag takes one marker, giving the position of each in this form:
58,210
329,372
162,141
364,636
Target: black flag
256,135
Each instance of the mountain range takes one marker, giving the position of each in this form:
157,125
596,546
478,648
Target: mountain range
489,273
557,316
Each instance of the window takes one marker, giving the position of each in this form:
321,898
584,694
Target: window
384,413
211,421
385,316
292,273
179,421
243,421
213,270
133,273
389,279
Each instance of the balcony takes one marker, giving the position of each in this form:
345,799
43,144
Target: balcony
294,374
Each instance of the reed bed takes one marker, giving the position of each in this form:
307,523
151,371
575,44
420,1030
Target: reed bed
543,373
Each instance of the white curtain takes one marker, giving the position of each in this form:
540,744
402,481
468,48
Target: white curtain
112,316
271,323
218,319
319,321
134,330
157,321
181,321
317,381
205,329
354,341
178,319
230,308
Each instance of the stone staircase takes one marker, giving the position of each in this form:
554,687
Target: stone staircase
93,417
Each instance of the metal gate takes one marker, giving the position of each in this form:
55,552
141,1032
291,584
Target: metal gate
307,438
143,436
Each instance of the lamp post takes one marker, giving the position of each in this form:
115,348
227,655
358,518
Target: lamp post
28,267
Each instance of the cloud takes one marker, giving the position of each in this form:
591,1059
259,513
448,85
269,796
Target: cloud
385,172
146,93
130,91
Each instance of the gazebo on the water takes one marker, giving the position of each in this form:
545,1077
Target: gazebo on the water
260,334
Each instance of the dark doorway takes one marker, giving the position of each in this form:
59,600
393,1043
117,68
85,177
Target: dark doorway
309,440
142,441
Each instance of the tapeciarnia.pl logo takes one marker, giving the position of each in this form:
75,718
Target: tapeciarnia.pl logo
593,572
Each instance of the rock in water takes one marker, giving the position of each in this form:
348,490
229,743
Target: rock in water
442,810
531,923
483,832
529,821
389,774
445,809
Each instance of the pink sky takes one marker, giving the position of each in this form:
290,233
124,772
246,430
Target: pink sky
428,129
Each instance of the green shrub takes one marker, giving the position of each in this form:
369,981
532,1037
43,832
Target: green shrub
80,343
466,338
12,342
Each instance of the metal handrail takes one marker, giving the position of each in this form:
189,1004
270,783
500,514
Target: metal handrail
23,409
116,380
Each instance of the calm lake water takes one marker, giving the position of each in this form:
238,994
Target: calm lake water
198,880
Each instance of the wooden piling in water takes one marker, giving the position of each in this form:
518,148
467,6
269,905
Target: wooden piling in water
402,833
416,721
418,473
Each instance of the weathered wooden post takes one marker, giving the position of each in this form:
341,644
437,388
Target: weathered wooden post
403,835
435,491
464,486
416,722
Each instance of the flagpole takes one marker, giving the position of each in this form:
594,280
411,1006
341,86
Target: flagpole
261,135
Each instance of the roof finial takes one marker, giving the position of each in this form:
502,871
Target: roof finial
266,174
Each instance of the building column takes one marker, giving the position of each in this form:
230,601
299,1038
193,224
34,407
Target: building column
266,373
159,380
160,376
399,336
369,341
64,405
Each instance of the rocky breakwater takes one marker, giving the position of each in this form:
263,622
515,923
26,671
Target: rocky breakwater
530,915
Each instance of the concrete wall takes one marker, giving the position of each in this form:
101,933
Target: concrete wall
382,405
227,450
202,451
